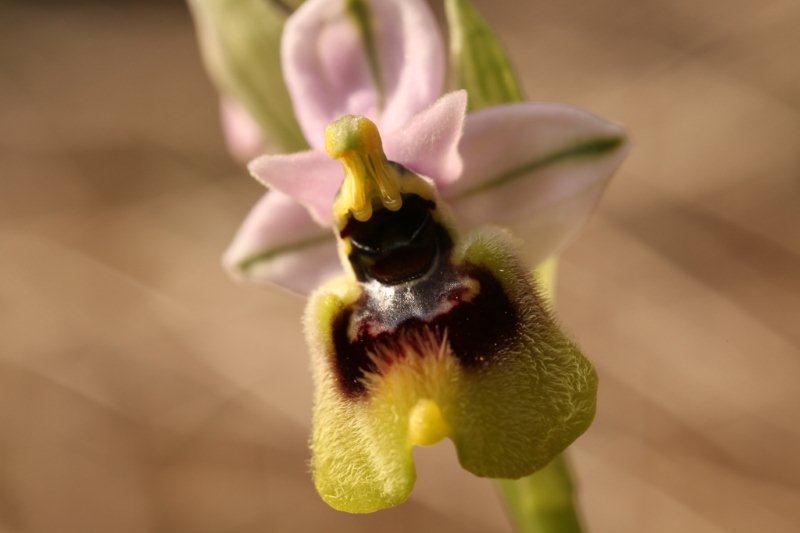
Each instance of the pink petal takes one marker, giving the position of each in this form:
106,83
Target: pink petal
428,143
411,55
279,243
537,169
310,178
242,134
327,71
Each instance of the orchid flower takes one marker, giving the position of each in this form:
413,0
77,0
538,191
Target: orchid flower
536,169
425,324
427,335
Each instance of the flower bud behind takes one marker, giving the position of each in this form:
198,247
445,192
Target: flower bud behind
479,63
240,45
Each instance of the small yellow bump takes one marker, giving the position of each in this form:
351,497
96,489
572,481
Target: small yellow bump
426,426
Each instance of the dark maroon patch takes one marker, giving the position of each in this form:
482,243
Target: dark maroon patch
476,330
394,247
350,358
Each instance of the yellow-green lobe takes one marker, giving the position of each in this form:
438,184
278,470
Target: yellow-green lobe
507,418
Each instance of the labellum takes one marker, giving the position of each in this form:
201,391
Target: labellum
430,334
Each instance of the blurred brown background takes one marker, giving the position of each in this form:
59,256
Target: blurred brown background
141,390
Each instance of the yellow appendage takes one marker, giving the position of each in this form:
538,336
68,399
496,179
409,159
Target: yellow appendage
426,426
355,141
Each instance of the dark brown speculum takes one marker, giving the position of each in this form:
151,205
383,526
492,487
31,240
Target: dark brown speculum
395,247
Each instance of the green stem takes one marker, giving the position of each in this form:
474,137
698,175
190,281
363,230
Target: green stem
544,501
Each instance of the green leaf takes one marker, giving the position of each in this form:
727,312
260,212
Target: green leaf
240,44
479,63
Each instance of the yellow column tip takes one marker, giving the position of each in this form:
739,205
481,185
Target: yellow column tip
355,141
352,133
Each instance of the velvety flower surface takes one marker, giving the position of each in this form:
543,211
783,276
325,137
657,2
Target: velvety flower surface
509,410
536,169
429,335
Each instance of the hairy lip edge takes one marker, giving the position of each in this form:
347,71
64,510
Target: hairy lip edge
476,331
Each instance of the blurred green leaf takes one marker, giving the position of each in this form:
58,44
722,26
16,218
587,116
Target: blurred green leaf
478,61
240,43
